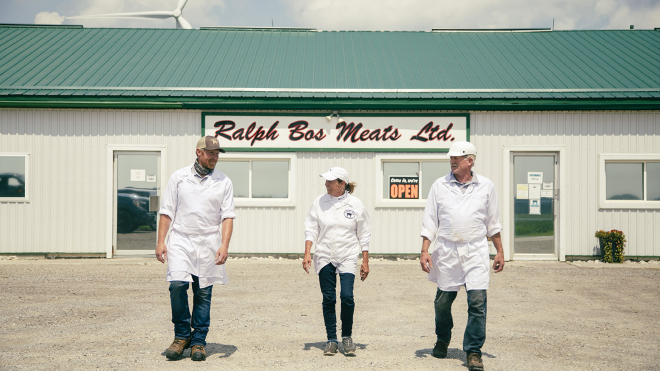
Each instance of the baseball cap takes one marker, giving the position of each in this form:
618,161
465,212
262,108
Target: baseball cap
336,173
209,143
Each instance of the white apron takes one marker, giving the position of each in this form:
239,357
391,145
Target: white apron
461,254
195,237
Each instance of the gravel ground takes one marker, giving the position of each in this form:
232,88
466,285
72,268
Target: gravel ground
115,315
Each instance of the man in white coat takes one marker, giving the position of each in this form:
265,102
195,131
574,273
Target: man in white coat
461,211
198,200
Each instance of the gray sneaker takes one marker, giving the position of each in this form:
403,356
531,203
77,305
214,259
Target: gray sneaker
349,347
330,348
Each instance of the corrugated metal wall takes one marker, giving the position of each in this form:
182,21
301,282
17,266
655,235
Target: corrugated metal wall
67,185
66,212
585,135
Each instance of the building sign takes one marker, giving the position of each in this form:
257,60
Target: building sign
430,133
404,187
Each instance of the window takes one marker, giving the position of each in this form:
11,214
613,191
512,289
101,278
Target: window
259,180
13,176
405,180
630,181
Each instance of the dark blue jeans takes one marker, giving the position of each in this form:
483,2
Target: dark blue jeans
201,314
475,331
328,281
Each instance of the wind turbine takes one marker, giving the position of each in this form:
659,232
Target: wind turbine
176,13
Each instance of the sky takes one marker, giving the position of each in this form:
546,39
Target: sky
393,15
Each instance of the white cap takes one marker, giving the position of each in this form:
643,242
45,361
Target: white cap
462,148
336,173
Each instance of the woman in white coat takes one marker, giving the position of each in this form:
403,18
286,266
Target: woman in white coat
341,227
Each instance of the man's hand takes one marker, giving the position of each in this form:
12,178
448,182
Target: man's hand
161,252
364,270
307,262
221,255
425,261
498,262
424,257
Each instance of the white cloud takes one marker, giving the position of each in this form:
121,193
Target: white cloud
48,18
427,14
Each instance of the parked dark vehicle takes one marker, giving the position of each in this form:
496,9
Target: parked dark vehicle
133,211
12,185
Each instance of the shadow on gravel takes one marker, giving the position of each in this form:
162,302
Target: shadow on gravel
321,345
224,350
452,353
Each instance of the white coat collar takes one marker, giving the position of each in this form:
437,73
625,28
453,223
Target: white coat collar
215,174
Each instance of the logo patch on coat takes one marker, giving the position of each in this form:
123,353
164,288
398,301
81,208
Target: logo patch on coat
349,214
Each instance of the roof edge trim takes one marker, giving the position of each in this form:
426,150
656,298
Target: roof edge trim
229,28
491,29
321,90
24,25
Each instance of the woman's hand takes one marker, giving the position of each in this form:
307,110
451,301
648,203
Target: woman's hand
307,262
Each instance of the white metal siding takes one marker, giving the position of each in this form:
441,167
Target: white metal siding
66,211
585,135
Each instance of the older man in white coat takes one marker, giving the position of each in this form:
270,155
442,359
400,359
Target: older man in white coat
197,201
461,211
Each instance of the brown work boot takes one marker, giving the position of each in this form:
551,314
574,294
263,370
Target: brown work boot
198,353
176,349
474,362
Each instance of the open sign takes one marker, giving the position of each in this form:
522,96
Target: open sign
404,187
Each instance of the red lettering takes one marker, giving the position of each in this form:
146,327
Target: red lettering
407,190
402,190
414,191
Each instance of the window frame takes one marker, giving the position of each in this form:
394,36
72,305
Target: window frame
264,202
380,159
26,198
603,202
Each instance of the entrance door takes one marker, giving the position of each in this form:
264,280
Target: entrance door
535,211
136,196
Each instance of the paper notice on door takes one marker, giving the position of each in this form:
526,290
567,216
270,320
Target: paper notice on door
522,193
534,207
546,193
138,175
534,191
151,179
534,177
547,185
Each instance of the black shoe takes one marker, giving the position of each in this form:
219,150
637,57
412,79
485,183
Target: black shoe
440,349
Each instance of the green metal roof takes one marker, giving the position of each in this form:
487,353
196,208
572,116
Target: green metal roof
210,67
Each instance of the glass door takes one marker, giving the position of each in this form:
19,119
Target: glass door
136,204
535,194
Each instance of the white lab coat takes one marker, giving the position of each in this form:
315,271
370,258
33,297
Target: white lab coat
197,210
461,222
341,227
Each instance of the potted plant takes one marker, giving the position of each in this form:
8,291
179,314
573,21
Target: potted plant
612,244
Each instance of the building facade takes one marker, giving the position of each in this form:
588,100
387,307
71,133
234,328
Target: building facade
94,121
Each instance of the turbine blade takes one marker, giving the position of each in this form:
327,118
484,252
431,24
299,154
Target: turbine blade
150,15
184,24
181,4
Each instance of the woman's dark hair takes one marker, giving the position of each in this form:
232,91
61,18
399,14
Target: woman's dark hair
350,187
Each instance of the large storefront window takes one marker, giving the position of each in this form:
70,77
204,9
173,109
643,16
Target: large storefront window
630,181
13,176
259,178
